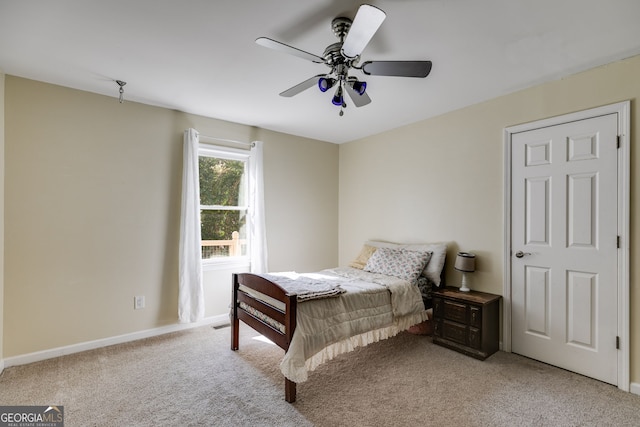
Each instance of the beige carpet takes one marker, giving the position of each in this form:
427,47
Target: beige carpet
192,378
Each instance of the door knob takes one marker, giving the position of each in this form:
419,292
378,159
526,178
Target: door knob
520,254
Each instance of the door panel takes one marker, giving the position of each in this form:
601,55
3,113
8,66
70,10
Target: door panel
582,294
564,221
537,207
536,303
581,203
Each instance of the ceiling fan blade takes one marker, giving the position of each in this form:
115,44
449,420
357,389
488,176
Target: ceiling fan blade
276,45
358,100
364,26
397,68
313,81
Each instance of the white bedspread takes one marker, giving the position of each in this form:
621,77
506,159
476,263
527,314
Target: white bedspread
374,307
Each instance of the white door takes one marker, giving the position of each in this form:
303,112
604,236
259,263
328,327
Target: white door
564,246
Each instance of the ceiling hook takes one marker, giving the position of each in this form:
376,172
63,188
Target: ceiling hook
121,90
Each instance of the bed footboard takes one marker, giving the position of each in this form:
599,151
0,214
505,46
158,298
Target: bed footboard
273,317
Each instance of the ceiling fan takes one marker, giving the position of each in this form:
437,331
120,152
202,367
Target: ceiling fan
343,56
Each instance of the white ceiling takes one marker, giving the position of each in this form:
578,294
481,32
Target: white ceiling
200,56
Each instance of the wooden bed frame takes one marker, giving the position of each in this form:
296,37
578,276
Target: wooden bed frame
286,317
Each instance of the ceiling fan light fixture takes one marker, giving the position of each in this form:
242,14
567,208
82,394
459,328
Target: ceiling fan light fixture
359,87
337,98
325,83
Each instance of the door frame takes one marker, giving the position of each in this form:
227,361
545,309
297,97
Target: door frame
622,109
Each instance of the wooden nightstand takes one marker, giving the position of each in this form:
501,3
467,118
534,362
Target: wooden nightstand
467,322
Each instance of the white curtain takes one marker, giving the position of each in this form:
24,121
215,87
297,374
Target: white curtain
258,234
190,290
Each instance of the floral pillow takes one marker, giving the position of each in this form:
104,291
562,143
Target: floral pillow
400,263
434,267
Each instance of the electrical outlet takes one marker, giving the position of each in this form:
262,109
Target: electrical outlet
138,302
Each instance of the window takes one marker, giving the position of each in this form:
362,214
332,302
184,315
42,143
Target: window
223,175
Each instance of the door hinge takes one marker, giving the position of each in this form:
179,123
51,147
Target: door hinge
618,143
618,242
617,343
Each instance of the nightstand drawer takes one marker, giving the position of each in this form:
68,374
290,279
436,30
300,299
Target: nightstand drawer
455,311
454,332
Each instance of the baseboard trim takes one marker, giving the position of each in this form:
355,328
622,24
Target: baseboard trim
635,388
24,359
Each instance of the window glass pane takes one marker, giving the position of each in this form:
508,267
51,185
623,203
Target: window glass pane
223,233
222,181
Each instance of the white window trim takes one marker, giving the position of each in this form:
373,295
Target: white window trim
225,263
223,152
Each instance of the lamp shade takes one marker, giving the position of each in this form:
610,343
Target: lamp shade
466,262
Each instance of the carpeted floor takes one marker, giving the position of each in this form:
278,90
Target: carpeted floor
192,378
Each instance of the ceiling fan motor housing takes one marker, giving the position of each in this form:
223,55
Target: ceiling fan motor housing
340,27
333,55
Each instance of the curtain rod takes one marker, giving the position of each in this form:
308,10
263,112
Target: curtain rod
248,144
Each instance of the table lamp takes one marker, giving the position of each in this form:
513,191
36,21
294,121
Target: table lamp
465,263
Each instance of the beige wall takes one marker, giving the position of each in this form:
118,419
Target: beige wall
442,179
303,181
92,213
